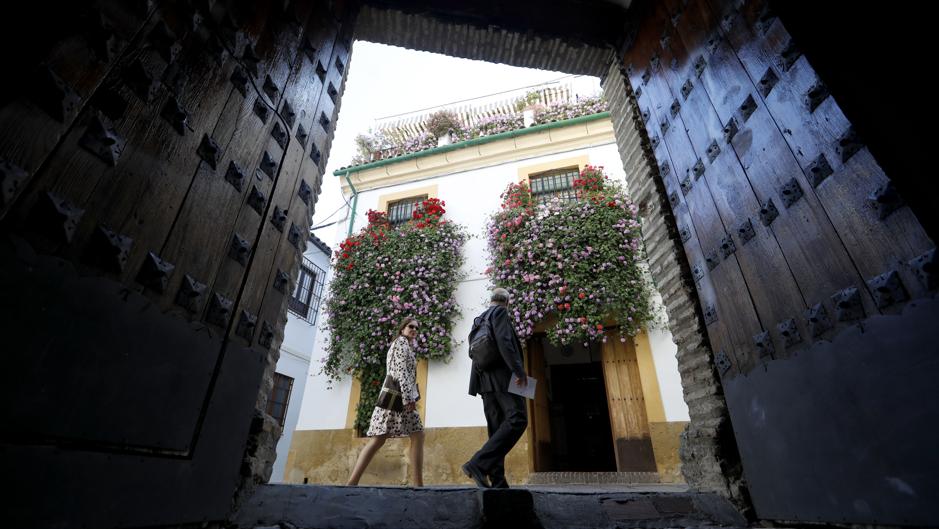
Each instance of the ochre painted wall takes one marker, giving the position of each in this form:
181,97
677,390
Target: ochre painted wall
666,440
327,457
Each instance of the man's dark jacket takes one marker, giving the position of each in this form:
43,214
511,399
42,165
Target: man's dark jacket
497,377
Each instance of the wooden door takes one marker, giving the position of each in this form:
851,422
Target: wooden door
815,279
539,408
166,164
632,440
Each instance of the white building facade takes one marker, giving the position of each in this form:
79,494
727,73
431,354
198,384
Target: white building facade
296,350
469,177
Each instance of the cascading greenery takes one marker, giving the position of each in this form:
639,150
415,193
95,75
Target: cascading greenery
381,275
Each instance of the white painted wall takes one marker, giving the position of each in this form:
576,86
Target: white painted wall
471,196
664,357
296,350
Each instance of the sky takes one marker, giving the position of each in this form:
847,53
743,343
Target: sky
384,81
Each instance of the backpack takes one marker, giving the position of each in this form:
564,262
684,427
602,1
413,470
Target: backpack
483,349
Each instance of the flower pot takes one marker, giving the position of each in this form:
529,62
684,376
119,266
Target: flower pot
528,117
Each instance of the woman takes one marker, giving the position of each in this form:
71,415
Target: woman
402,365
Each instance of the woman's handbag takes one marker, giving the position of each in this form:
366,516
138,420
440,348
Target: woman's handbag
389,397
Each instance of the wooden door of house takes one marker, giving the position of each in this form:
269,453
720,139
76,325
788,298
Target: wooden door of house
538,409
816,282
632,441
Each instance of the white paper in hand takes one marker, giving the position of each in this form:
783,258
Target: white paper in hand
528,391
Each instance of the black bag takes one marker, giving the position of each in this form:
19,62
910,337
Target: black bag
483,349
389,397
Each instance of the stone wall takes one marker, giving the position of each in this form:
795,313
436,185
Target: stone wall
709,457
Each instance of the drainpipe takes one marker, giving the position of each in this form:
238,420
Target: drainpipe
355,202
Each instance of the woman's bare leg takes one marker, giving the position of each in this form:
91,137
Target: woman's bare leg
417,459
365,457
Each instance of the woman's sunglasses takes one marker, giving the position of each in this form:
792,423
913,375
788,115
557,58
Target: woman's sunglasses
412,326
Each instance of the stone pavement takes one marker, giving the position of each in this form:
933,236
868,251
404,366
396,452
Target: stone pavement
650,506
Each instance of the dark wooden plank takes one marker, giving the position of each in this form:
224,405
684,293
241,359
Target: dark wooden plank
728,316
277,253
45,110
772,287
735,197
201,237
812,248
875,246
262,233
194,244
690,29
75,172
117,202
814,251
705,221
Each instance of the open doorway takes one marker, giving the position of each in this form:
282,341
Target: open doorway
570,418
591,415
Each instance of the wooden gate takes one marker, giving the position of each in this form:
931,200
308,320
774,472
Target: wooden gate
159,172
814,279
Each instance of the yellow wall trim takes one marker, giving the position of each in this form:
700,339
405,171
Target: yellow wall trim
525,173
384,200
655,409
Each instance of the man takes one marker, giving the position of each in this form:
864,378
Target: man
505,412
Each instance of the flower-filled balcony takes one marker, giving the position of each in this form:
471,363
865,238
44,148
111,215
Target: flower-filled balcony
573,267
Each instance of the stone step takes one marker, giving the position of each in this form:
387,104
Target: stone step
329,507
588,478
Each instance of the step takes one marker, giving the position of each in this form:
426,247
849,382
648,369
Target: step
586,478
331,507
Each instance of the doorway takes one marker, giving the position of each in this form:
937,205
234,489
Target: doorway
570,418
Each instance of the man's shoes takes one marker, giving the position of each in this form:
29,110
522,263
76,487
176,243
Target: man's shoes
472,471
499,484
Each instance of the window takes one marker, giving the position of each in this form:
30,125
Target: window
555,183
279,397
305,300
400,211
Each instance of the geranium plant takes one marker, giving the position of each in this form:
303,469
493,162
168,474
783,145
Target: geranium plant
383,274
579,261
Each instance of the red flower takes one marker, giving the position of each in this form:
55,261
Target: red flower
561,306
567,306
583,319
345,255
599,327
581,295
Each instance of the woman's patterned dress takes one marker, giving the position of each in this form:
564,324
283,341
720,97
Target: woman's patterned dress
401,364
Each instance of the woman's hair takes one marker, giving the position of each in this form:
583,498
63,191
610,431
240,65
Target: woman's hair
405,322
